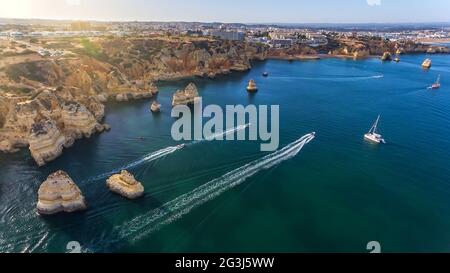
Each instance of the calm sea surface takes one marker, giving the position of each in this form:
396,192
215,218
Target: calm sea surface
336,195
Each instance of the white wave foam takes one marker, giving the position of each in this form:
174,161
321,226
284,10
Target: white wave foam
164,152
223,134
330,78
148,158
152,221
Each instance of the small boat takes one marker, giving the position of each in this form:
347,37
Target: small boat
252,86
397,60
155,107
437,84
372,135
265,74
426,64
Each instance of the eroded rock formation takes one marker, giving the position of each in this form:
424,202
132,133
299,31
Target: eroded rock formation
155,107
186,96
68,93
46,141
125,185
59,194
373,46
48,123
386,57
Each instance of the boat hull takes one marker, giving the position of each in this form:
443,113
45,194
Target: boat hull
374,139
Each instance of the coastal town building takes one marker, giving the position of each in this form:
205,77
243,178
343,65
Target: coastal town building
228,35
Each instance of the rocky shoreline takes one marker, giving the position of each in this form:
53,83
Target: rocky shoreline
46,104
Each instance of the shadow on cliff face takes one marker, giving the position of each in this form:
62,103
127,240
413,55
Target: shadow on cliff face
201,83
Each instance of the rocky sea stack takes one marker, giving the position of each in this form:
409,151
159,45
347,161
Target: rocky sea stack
187,96
155,107
126,185
59,194
386,57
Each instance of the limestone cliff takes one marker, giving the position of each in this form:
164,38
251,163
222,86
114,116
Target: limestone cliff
49,122
68,93
372,46
46,141
293,52
164,58
78,121
58,100
59,194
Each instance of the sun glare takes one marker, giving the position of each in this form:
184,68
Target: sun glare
16,9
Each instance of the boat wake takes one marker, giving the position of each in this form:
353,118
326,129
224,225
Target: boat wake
164,152
171,211
333,78
223,134
148,158
25,234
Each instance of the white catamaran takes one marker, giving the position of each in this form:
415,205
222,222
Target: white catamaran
437,84
373,135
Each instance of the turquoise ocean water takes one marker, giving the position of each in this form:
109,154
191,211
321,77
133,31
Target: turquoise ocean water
336,195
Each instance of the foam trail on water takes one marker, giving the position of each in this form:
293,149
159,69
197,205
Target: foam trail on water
152,221
338,78
164,152
148,158
225,133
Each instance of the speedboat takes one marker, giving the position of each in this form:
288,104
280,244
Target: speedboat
373,136
311,137
265,74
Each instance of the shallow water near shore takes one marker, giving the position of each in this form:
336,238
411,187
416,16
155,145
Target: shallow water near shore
336,195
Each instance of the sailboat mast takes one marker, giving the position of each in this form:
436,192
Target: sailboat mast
375,126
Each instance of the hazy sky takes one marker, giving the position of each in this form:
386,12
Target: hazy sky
244,11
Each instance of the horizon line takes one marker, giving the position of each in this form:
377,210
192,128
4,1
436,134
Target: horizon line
219,22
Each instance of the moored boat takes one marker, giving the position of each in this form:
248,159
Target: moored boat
426,64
